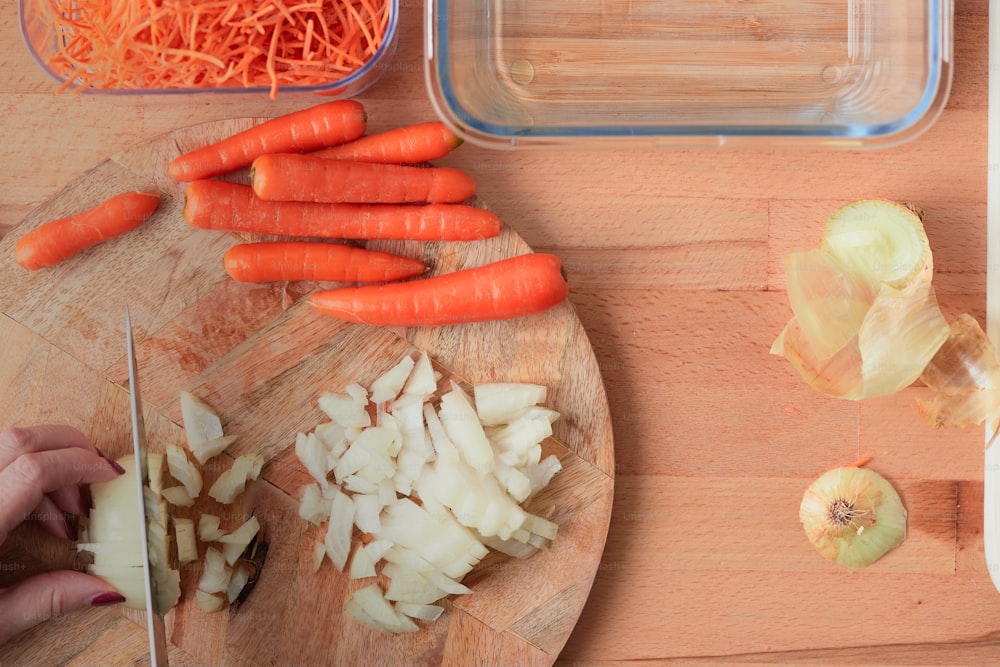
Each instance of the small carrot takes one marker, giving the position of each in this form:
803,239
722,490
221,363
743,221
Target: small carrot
291,177
225,206
317,127
60,239
514,287
304,260
413,144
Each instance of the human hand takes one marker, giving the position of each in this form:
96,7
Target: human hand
41,470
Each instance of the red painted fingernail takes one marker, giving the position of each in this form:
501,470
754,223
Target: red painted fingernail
105,599
114,466
70,530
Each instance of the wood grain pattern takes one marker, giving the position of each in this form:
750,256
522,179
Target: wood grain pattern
674,260
261,357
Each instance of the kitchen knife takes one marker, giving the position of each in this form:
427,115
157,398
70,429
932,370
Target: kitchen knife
154,617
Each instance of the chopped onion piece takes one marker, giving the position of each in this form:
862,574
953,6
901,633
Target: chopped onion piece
540,526
208,528
409,585
422,381
242,535
362,565
157,543
339,529
187,545
232,551
201,423
465,431
368,606
510,547
523,433
501,402
208,602
313,507
215,573
178,495
424,612
388,385
237,582
541,473
168,588
155,465
208,449
232,482
183,470
313,455
366,512
376,549
345,410
334,439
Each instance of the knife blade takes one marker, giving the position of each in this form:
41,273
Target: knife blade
154,617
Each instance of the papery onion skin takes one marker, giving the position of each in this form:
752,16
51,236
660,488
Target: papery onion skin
839,376
828,302
900,335
966,362
853,516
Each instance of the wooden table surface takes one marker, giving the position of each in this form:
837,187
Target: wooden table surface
674,263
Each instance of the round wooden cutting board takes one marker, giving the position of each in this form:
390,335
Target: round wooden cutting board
260,356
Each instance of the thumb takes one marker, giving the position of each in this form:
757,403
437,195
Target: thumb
39,598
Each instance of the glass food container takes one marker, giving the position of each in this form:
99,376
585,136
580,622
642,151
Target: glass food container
763,73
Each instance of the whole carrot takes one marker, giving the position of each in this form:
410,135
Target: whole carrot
514,287
412,144
304,260
60,239
225,206
320,126
293,177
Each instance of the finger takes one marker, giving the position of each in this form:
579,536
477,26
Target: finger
70,500
30,476
39,598
53,519
20,440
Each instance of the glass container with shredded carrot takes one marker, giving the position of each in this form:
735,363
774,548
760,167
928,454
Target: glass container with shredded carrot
180,44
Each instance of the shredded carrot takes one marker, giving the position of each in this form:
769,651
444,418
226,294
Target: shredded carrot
860,462
142,44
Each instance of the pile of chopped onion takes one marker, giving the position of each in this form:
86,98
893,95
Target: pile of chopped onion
431,488
866,321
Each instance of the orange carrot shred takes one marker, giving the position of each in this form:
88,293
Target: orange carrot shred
141,44
860,462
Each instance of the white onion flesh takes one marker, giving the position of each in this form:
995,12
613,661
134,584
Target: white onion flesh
116,541
231,483
183,470
469,462
215,573
187,544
